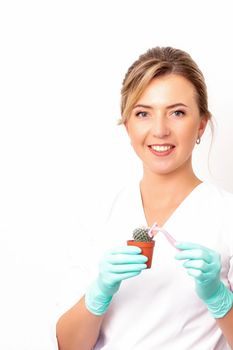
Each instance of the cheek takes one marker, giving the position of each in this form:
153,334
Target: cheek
189,136
189,131
137,135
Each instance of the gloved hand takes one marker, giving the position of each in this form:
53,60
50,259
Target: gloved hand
117,265
205,265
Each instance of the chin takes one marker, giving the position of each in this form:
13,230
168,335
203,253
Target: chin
160,171
166,170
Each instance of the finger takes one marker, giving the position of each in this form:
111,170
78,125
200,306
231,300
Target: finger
123,276
195,273
195,254
124,250
198,265
200,276
126,259
189,245
126,268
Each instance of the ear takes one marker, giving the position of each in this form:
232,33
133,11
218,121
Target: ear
203,123
127,131
126,127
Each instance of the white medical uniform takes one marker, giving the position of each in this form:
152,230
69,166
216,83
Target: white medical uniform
159,309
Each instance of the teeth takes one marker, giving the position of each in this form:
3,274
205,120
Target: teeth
161,148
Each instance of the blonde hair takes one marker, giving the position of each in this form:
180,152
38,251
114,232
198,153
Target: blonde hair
156,62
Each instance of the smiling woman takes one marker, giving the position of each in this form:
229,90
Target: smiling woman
165,112
165,123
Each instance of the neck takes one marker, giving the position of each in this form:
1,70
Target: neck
166,187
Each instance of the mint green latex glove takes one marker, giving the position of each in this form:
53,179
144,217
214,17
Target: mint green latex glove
117,265
205,265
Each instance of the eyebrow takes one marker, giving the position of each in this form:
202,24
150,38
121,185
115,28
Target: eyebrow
170,106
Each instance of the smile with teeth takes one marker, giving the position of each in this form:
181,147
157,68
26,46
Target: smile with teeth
163,148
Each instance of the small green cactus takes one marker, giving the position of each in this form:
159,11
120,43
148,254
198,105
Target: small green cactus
140,234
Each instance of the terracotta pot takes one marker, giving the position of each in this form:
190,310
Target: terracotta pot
147,249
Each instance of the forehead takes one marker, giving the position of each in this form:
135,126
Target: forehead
170,89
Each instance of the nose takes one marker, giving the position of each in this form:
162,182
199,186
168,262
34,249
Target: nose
160,127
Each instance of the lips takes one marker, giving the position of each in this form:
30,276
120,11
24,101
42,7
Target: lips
161,149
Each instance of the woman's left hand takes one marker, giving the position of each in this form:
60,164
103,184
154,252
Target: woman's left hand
204,265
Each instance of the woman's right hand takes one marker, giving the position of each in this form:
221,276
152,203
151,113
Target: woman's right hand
116,265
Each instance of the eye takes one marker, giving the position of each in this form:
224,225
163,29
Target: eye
178,113
142,114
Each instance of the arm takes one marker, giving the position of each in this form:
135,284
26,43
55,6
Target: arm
226,325
205,265
78,328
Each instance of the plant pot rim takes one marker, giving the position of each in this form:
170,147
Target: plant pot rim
142,244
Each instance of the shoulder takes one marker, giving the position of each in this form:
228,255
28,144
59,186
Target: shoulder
212,206
221,194
217,195
125,199
222,201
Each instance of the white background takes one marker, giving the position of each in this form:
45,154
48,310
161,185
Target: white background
62,156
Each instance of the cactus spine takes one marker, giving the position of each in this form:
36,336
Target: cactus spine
140,234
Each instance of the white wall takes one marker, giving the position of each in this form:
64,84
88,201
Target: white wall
62,156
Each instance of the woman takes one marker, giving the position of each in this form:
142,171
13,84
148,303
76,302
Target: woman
165,112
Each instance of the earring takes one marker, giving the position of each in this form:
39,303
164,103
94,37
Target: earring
198,140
